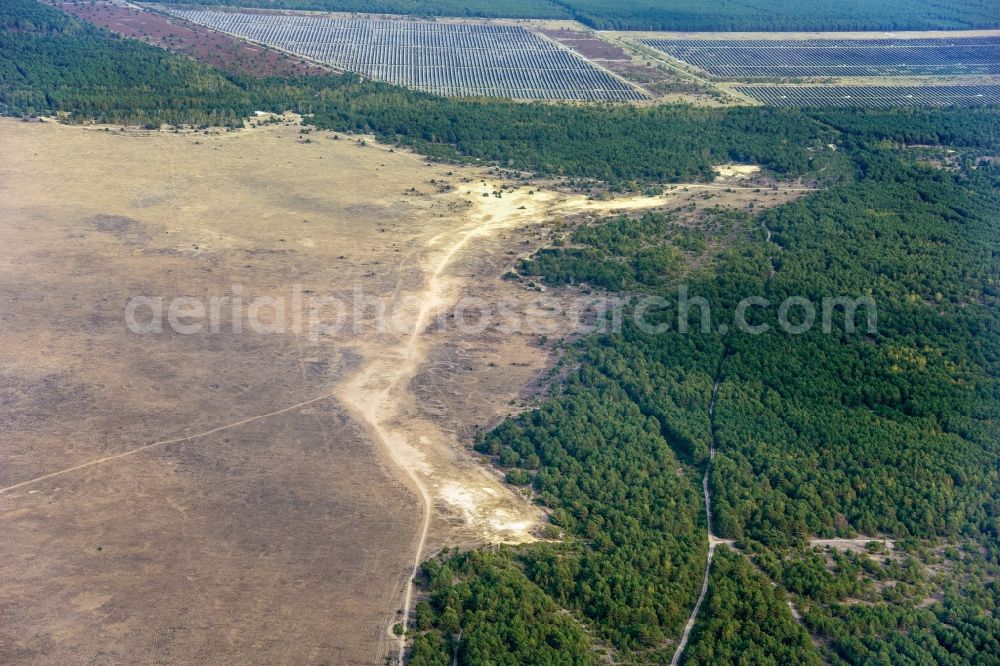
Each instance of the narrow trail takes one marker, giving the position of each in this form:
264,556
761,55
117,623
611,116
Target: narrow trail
770,257
713,542
374,391
369,406
412,359
164,442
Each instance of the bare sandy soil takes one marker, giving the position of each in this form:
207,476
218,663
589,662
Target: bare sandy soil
282,540
726,171
258,491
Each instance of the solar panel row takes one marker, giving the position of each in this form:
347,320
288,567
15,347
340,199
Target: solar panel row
848,57
873,96
452,59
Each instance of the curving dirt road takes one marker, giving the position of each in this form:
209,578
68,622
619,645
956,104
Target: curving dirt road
379,396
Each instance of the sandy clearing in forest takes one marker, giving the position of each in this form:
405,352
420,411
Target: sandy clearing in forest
217,473
735,171
855,545
378,392
379,396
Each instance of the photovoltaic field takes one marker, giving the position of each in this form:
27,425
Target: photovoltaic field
873,96
444,58
837,57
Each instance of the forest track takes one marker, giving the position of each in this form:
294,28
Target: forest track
713,541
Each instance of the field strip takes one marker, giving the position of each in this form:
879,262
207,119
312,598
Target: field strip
654,54
873,95
594,63
873,35
164,442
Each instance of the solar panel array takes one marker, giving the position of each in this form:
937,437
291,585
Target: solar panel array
453,59
727,58
873,96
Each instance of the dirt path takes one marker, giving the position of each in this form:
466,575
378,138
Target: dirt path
163,442
378,396
713,541
371,393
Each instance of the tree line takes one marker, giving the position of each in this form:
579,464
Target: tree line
688,15
850,432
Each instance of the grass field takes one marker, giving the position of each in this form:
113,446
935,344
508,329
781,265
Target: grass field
257,497
283,539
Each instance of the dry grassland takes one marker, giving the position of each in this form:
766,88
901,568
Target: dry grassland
248,497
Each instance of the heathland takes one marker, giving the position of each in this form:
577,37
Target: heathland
260,489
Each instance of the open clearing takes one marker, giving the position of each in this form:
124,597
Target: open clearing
257,495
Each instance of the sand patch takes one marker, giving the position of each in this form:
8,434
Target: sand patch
727,171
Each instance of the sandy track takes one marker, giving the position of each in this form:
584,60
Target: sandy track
715,541
379,397
281,476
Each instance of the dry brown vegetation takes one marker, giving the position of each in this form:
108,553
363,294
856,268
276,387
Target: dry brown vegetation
245,496
286,540
662,83
215,48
